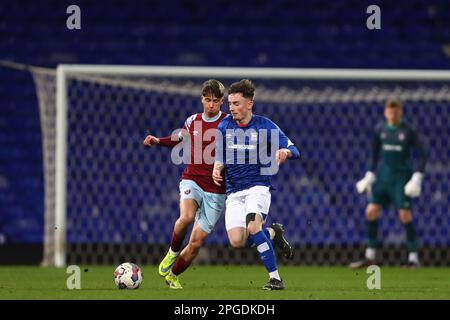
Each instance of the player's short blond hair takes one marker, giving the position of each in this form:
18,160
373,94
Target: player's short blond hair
393,103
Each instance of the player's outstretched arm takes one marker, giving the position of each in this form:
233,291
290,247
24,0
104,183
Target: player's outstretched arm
217,173
170,141
151,141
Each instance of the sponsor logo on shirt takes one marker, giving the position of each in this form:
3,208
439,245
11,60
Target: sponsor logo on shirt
240,146
392,147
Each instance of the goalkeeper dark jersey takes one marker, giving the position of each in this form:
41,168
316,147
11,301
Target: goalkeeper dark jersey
391,151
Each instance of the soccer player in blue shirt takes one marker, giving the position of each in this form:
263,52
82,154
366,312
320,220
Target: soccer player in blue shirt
243,146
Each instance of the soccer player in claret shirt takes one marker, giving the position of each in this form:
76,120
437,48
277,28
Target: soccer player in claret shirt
242,147
200,199
391,179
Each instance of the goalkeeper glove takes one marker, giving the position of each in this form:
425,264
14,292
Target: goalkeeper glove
413,187
365,184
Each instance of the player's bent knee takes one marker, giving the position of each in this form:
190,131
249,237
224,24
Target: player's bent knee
188,214
188,209
372,213
186,219
249,218
237,243
196,245
405,216
253,228
253,223
237,237
369,215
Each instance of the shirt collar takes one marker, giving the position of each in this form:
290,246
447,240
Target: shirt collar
211,119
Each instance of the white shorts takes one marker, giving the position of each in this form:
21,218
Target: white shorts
253,200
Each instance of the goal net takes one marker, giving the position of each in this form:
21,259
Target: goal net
109,199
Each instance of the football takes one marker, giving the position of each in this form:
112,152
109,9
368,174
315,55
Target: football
128,276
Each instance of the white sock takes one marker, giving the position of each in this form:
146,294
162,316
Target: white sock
274,274
371,253
173,253
413,257
271,233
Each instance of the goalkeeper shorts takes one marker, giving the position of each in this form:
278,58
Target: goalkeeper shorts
385,192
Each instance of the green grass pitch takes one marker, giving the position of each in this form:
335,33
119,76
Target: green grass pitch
228,283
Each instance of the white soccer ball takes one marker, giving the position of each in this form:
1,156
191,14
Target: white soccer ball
128,276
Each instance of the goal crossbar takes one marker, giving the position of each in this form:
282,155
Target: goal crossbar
267,73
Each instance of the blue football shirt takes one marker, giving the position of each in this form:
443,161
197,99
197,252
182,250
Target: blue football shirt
248,152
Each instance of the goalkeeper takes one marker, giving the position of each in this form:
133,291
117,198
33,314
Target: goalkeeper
393,180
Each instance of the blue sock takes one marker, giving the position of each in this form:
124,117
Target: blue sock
251,243
265,249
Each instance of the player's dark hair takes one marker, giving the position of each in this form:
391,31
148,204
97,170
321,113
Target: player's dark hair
245,87
393,103
213,87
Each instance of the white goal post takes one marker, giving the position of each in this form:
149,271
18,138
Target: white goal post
64,72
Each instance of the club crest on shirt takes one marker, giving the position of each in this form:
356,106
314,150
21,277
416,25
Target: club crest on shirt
401,136
383,135
187,191
195,132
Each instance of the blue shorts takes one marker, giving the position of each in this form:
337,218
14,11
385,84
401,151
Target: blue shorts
210,205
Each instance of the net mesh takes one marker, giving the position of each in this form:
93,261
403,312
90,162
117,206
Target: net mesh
46,92
122,199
